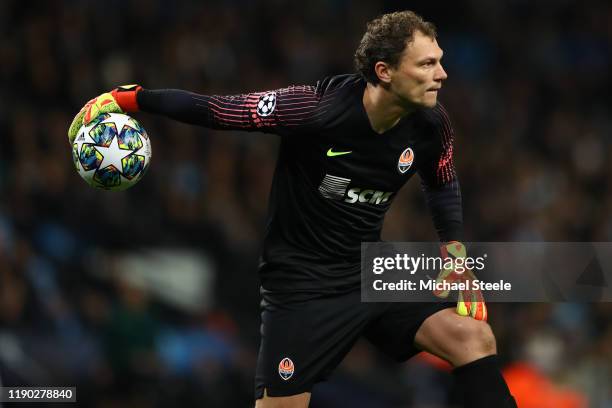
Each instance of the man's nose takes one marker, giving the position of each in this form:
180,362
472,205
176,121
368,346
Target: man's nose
440,74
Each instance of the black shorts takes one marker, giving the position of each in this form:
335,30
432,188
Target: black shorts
303,342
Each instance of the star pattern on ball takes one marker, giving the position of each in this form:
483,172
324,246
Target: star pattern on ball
112,155
112,152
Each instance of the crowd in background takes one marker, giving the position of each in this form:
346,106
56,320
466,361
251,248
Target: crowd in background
528,92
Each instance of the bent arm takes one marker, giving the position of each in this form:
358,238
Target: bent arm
444,203
439,180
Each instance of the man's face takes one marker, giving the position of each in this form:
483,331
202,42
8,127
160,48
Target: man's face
419,74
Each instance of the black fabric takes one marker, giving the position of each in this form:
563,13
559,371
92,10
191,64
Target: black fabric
175,104
446,210
318,333
393,332
483,385
335,177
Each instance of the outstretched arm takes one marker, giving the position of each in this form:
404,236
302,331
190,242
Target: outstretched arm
286,109
294,109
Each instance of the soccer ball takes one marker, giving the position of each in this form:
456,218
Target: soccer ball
112,152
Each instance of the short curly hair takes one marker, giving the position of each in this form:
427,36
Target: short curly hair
385,39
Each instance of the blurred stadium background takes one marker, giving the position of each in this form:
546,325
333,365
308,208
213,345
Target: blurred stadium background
149,298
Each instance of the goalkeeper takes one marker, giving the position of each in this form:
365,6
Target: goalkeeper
348,144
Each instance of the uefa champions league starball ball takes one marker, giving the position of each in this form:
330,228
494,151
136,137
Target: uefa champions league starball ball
112,152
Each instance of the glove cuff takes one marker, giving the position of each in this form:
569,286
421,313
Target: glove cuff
454,248
125,96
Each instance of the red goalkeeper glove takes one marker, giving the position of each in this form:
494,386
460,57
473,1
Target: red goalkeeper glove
119,100
470,301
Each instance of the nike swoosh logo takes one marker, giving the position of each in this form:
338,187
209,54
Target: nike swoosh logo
331,153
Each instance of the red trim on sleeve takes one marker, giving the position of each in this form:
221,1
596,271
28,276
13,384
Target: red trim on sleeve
446,168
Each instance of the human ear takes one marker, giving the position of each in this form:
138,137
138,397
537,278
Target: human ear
383,71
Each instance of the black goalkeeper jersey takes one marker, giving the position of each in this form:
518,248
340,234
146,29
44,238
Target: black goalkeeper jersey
335,177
